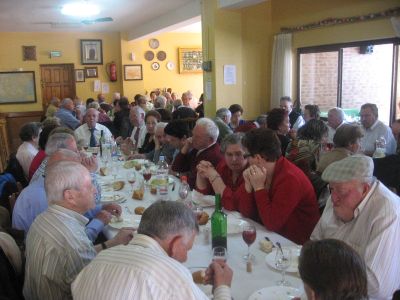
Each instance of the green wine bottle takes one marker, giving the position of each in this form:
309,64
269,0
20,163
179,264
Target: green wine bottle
219,225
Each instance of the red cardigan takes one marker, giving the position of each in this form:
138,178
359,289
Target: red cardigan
37,160
188,162
290,206
234,196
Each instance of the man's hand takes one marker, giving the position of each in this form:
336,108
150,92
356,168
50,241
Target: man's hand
123,236
219,273
113,208
104,216
207,170
187,146
90,163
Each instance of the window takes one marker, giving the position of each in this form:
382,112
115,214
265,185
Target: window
348,75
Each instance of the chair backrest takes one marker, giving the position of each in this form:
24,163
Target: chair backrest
15,169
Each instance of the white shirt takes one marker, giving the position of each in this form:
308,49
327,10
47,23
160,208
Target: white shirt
374,233
377,130
299,122
332,131
140,270
83,133
25,154
57,249
142,135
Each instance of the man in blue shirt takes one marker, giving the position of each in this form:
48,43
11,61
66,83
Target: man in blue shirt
65,114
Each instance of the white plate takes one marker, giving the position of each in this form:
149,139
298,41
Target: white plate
132,221
109,198
203,200
234,225
294,266
276,293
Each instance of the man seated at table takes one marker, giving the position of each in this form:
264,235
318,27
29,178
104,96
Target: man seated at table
364,213
222,119
201,146
184,111
295,118
375,129
150,266
89,134
281,193
57,247
335,120
66,116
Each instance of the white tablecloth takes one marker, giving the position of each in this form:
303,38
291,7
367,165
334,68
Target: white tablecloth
244,284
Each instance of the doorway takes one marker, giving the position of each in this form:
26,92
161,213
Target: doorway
57,81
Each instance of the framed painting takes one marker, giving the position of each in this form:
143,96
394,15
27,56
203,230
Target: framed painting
17,87
91,72
91,52
79,75
190,60
133,72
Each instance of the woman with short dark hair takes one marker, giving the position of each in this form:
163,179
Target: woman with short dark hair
278,121
330,270
151,119
236,118
29,134
311,112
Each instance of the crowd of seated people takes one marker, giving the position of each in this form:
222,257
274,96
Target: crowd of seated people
264,168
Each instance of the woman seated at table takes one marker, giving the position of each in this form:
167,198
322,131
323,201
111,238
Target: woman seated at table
226,179
281,193
236,117
278,121
177,131
151,119
330,269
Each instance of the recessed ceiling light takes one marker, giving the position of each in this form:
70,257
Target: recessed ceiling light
80,9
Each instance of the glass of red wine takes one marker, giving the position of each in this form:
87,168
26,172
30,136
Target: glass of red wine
249,235
147,175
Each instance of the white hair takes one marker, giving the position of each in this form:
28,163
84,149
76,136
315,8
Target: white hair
339,113
161,125
137,110
57,141
66,101
210,127
62,176
160,102
223,112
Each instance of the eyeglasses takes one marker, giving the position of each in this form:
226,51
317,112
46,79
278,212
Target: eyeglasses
247,155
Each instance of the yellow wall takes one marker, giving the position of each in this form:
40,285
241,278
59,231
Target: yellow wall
162,78
69,44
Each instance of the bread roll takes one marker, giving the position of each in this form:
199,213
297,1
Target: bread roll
203,218
104,171
199,277
139,210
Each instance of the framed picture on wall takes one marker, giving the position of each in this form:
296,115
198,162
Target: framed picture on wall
91,52
91,72
190,60
17,87
79,75
133,72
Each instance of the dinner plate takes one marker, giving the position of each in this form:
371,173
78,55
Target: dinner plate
276,293
109,198
132,221
203,200
294,265
234,225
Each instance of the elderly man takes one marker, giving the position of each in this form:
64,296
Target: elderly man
375,129
101,98
53,107
365,214
66,116
222,119
90,133
201,146
335,120
136,117
150,267
160,104
57,247
185,111
295,118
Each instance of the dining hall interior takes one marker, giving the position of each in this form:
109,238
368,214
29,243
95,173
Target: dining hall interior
186,100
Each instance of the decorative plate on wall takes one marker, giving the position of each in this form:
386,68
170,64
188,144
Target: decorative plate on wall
155,66
154,43
170,65
149,55
161,55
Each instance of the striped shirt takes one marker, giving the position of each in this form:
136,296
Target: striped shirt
57,249
140,270
374,233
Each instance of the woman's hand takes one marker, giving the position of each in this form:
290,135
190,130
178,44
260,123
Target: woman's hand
257,177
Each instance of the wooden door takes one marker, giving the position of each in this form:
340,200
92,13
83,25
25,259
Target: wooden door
58,81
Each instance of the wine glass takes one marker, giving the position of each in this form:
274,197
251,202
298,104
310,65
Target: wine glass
197,210
147,174
219,254
131,176
105,157
184,190
249,235
283,259
114,172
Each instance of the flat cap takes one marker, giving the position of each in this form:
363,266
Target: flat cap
349,168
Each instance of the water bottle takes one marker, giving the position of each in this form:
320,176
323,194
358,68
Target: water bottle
184,189
162,171
380,148
162,166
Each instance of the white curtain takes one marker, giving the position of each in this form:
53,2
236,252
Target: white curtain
281,77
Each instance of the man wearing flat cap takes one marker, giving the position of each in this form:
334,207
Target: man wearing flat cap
365,214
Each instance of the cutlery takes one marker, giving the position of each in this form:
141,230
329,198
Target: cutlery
280,248
273,246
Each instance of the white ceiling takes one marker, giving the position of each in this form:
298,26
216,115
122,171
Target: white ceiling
137,17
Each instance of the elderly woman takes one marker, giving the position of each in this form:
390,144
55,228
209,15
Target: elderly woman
236,118
330,269
226,179
346,142
29,134
278,121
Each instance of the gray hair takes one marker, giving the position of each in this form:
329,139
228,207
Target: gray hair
59,141
262,120
54,100
94,105
62,176
223,112
66,101
165,218
339,113
137,110
210,127
232,139
161,125
63,155
373,108
160,102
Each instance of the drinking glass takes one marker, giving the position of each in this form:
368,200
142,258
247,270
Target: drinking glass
105,158
249,235
131,176
197,210
283,259
219,254
147,174
114,172
184,190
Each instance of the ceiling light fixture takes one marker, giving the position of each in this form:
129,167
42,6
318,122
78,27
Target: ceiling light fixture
80,9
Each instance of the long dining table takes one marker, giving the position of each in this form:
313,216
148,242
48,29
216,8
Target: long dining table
244,283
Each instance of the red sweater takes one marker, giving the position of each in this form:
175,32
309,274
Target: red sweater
37,160
234,195
290,206
188,162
